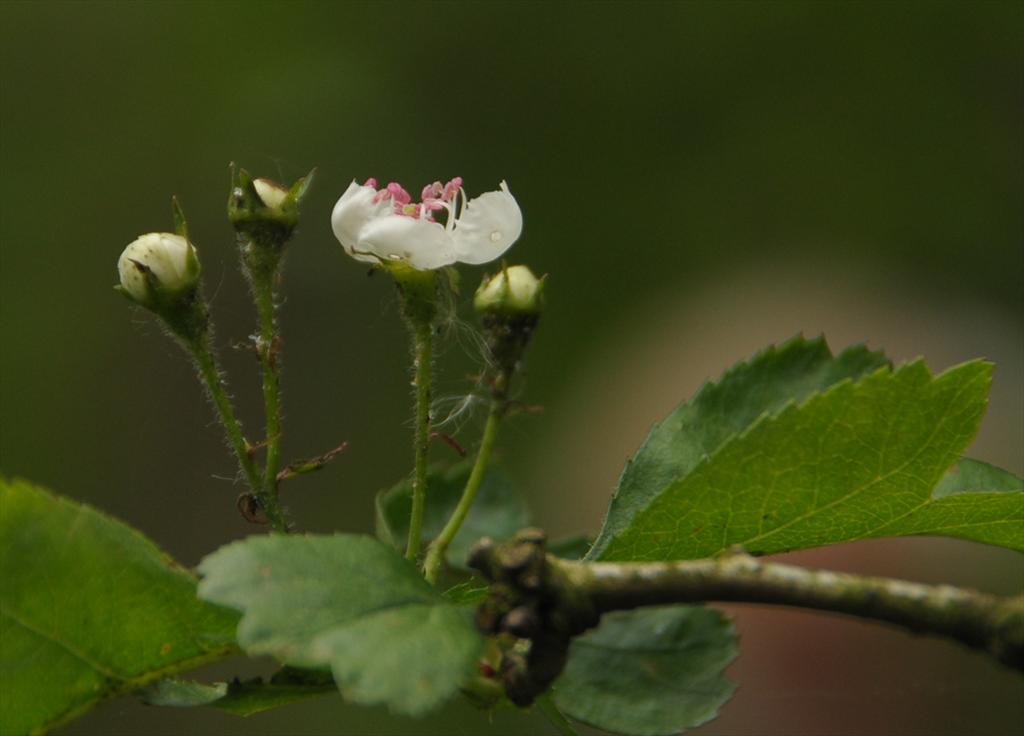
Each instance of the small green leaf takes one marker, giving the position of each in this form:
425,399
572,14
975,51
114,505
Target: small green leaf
649,672
974,476
350,603
89,609
498,512
180,223
571,548
857,461
174,693
241,698
468,593
974,500
765,384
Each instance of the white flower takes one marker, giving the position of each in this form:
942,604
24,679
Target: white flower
167,260
385,225
513,289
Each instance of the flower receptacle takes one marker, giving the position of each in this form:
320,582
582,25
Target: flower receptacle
263,211
418,291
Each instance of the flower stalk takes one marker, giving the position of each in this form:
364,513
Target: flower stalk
212,378
440,545
265,215
422,334
417,291
509,304
267,347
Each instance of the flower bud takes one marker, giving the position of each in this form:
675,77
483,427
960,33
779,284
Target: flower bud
158,268
510,305
513,290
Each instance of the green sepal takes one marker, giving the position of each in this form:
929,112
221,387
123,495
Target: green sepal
298,190
183,310
180,224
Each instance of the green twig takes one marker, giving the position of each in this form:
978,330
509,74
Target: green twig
547,706
476,476
980,621
549,601
422,358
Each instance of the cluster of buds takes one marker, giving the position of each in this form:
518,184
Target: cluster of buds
161,271
532,609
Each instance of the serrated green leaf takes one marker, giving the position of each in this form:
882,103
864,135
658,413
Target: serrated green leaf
765,384
498,512
350,603
239,698
649,672
89,609
857,461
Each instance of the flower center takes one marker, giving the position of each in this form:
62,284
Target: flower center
435,197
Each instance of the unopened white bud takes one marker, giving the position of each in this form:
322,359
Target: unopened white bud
513,289
271,194
157,261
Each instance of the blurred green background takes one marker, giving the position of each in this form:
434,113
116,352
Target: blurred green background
698,179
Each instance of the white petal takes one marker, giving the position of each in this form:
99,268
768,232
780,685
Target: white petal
422,244
351,214
273,195
489,225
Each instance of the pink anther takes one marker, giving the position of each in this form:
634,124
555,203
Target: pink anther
398,193
451,189
432,191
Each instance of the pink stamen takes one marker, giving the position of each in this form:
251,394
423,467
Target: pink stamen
432,191
452,188
398,193
393,191
436,197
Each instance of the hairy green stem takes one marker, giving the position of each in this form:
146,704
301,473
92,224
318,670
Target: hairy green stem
483,456
980,621
268,346
202,353
422,360
547,706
